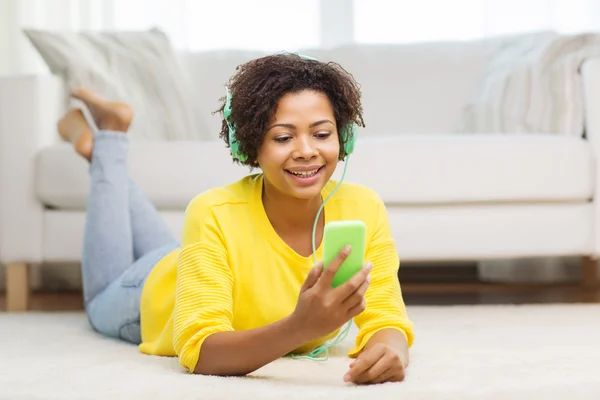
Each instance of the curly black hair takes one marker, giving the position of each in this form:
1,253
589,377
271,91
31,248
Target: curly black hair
259,84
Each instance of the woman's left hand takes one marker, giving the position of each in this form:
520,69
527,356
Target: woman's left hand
377,364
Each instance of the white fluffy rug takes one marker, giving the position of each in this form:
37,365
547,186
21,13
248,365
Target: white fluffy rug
491,352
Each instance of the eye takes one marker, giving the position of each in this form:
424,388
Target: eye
323,135
282,139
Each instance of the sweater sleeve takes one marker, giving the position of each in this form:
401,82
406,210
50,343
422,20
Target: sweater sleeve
203,299
385,308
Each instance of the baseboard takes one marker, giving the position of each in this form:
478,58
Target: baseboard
438,273
67,277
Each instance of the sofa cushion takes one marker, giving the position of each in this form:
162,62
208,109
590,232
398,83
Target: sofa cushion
410,82
140,68
170,173
403,169
425,87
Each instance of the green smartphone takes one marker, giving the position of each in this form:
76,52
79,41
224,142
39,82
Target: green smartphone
338,234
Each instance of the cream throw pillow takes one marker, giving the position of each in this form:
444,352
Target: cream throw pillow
140,68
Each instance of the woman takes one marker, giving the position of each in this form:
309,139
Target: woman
241,289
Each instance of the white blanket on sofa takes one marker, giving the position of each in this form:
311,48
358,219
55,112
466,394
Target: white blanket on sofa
532,84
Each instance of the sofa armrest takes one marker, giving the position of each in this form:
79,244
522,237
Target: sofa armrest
29,110
590,75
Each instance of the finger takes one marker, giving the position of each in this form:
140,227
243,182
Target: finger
392,375
356,368
378,368
384,376
355,298
395,373
354,311
365,361
354,283
329,273
313,277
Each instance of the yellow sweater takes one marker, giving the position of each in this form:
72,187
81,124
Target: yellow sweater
233,272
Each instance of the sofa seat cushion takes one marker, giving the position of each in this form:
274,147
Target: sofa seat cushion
170,173
475,168
403,169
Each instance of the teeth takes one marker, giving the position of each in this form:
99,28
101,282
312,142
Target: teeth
305,174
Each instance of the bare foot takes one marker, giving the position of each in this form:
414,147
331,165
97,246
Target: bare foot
73,128
108,115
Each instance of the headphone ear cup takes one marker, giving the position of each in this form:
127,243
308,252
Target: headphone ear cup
349,135
233,143
235,146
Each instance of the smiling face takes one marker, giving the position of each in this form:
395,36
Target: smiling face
300,149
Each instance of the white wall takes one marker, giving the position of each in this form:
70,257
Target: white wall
201,25
9,61
17,55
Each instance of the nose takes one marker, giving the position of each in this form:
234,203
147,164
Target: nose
305,148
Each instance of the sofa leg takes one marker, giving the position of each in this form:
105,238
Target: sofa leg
17,287
589,272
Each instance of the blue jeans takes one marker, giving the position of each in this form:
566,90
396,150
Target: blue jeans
124,238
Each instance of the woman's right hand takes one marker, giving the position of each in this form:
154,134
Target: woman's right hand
322,309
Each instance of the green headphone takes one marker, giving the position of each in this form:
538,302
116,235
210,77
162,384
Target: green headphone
234,144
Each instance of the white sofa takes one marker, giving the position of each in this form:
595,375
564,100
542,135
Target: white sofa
449,196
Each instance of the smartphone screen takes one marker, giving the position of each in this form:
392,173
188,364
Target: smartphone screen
338,234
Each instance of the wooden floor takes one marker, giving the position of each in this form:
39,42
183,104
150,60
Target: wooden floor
414,294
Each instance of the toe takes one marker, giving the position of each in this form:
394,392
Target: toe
87,96
111,115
